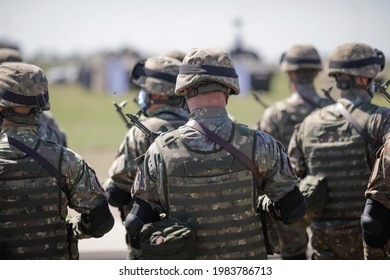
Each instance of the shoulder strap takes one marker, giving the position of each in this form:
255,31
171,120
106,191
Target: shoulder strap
44,162
354,123
227,146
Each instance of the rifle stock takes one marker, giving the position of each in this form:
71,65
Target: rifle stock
382,89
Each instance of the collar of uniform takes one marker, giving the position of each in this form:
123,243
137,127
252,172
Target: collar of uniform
18,130
177,111
209,113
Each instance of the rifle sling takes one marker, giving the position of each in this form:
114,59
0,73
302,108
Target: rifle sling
354,123
44,162
228,147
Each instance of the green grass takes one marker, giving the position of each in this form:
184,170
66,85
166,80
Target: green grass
91,121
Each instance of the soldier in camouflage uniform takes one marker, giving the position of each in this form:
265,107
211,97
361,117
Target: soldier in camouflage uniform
302,64
35,192
338,143
201,183
376,217
156,77
176,54
47,127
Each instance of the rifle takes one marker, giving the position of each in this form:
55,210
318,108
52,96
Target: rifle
381,88
121,114
327,94
257,95
134,120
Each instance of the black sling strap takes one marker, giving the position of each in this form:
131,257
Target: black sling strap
228,147
44,162
354,123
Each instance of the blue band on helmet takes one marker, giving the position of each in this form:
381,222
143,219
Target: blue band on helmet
209,70
38,100
140,70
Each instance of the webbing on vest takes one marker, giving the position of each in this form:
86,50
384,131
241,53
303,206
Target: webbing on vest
45,163
216,194
357,126
229,147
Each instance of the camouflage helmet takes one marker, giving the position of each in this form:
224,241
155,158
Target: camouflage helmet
356,59
204,65
300,57
23,85
10,55
157,75
176,54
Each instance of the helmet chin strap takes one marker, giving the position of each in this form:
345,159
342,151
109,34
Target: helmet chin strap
351,83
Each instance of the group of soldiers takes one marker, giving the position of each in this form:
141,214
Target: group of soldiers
311,165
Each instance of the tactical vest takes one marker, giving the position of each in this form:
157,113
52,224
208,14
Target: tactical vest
30,223
336,150
293,115
215,193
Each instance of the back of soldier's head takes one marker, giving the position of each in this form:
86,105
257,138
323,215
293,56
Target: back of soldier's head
157,75
207,70
10,55
300,57
23,85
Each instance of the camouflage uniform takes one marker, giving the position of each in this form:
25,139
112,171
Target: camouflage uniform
166,117
49,130
34,217
279,120
47,127
327,144
379,190
189,176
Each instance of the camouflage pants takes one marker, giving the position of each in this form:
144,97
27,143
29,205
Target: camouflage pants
337,243
293,239
377,253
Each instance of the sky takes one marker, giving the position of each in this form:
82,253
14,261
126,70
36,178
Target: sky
268,27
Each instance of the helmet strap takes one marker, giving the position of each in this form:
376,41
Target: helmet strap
202,88
350,83
12,116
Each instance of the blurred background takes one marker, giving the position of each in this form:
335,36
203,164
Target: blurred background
88,48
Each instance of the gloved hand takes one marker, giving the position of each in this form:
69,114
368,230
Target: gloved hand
117,198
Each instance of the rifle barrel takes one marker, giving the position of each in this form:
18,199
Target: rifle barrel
382,89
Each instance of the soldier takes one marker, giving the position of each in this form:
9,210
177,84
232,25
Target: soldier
375,220
47,127
192,178
176,54
337,144
302,64
40,179
156,77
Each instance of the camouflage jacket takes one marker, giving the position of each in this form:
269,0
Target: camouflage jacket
377,126
269,157
379,183
280,118
84,188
